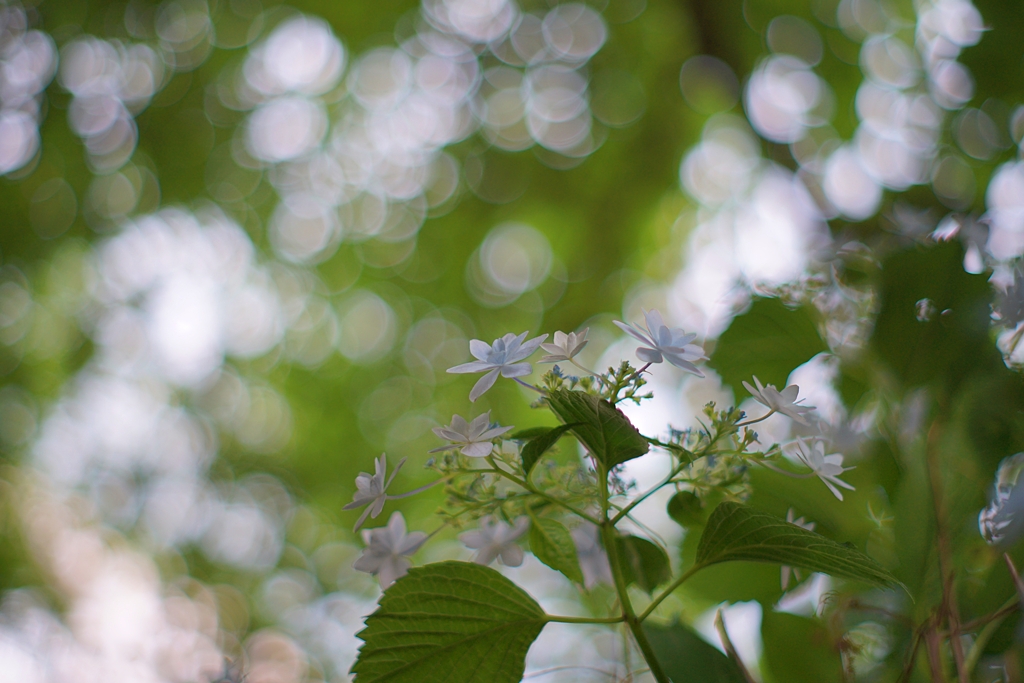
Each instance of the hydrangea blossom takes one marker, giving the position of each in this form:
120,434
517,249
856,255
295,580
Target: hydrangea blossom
1001,522
784,401
494,539
592,556
371,490
566,346
503,357
787,570
471,438
664,343
826,467
386,550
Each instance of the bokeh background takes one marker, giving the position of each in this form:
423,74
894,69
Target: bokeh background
241,241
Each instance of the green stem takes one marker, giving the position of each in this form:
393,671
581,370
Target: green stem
608,537
584,369
675,448
668,591
625,511
755,421
529,487
584,620
971,661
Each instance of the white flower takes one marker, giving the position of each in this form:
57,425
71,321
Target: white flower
786,570
495,538
826,467
780,401
372,490
566,346
593,559
471,438
386,550
664,343
502,357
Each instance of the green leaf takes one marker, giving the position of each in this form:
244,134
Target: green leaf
688,658
451,622
529,433
770,340
541,443
601,427
551,542
737,532
686,509
798,649
643,563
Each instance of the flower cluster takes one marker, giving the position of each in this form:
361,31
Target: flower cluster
488,479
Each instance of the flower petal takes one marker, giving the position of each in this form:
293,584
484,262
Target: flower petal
411,543
649,355
393,473
479,349
631,331
367,563
654,321
392,570
496,432
511,555
481,449
516,370
682,364
359,523
527,349
483,384
475,366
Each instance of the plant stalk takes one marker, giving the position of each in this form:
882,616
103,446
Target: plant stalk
608,537
950,612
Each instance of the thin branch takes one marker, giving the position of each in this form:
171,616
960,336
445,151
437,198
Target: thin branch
949,610
544,672
755,421
636,501
978,647
668,591
730,649
537,492
531,387
908,668
585,620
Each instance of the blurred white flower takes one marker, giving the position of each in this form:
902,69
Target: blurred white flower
784,401
471,438
502,357
665,343
386,549
593,559
495,538
787,570
566,346
372,490
1001,522
826,467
